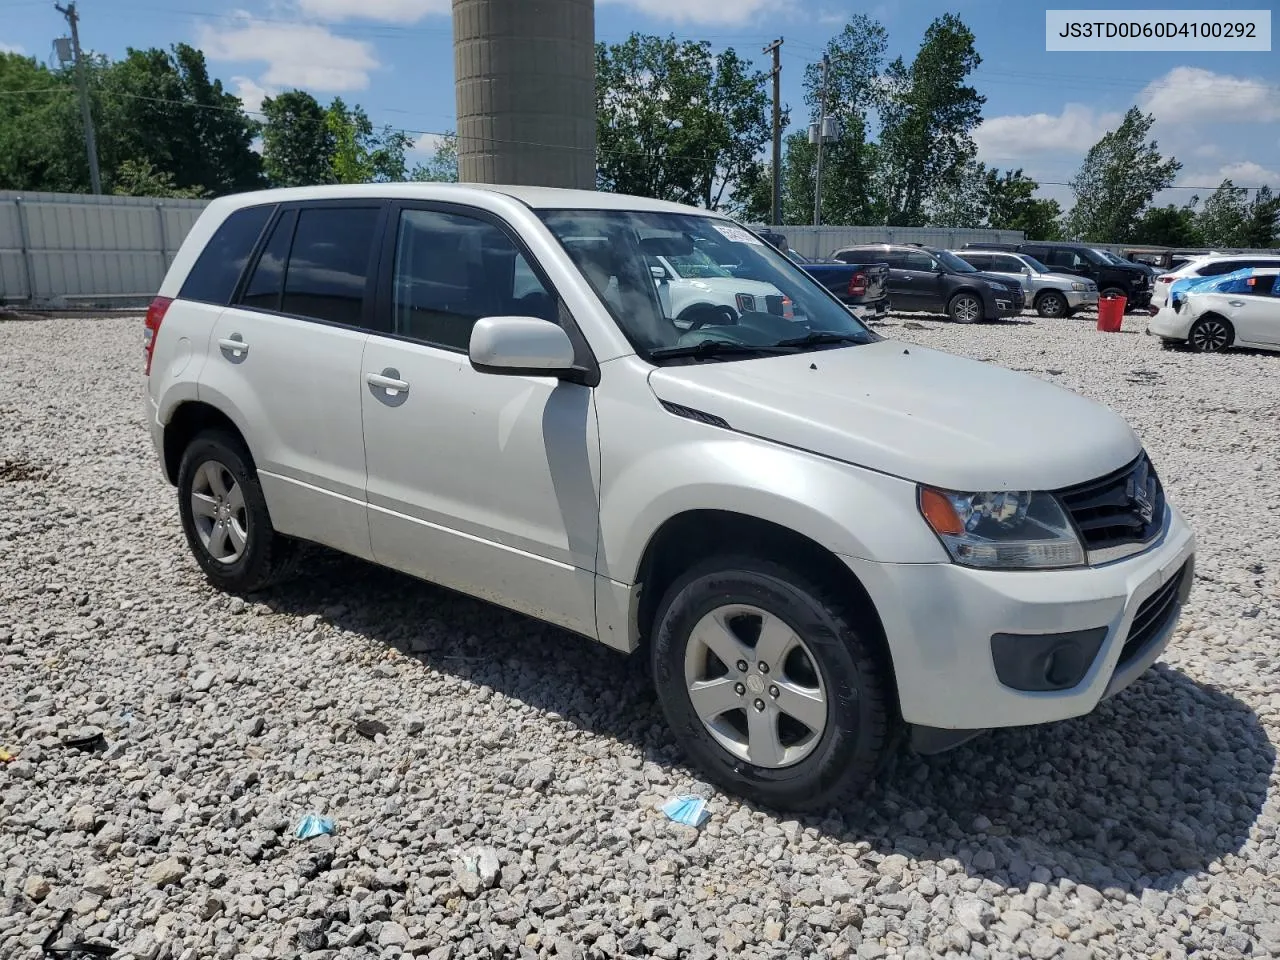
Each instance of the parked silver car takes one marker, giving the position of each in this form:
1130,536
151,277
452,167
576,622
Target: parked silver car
1052,294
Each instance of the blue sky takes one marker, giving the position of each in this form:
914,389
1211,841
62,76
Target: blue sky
1219,113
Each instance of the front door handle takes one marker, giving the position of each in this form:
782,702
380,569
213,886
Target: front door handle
388,380
234,345
1235,303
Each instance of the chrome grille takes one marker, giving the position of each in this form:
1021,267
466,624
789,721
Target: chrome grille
1120,509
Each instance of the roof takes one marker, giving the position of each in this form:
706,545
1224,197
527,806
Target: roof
539,198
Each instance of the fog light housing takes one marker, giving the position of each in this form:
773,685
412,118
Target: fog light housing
1045,661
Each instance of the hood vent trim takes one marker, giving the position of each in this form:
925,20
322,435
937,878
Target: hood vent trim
689,413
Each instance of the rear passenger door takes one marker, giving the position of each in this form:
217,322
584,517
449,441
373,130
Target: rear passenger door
915,273
285,361
1256,313
486,484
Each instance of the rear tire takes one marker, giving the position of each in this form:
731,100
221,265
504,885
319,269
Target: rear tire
710,628
1211,334
225,519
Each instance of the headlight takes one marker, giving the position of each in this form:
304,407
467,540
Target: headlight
1018,530
1078,287
746,303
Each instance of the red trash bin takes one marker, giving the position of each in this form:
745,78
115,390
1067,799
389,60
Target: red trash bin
1111,313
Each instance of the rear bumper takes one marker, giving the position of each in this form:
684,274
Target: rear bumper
1170,325
870,311
946,625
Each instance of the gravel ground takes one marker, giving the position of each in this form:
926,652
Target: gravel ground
508,810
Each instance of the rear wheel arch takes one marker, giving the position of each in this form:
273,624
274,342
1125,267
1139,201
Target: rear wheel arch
188,421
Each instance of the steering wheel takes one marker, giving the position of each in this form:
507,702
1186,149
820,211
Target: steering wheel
704,314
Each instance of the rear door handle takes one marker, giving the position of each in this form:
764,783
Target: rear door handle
389,380
234,345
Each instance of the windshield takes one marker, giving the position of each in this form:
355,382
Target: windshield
693,265
953,263
777,303
798,257
1110,257
1035,264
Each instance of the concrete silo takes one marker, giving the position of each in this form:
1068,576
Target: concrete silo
525,83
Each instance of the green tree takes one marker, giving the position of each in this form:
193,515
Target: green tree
964,201
1120,175
159,107
40,140
361,154
442,165
928,114
856,55
1013,205
675,122
1170,226
298,144
138,178
1262,224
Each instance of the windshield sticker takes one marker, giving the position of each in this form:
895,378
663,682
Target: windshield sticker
738,235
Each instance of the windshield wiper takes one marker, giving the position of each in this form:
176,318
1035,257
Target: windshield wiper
820,337
716,348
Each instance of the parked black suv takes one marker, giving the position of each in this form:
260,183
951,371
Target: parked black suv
1113,277
925,278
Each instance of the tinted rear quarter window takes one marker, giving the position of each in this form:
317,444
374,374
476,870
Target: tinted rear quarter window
266,282
329,263
217,270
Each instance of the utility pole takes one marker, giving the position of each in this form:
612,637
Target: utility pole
776,49
82,82
822,135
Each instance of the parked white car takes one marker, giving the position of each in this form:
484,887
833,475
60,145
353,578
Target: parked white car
816,546
1210,265
1241,309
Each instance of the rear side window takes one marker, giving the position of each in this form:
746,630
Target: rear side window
1219,267
266,282
217,270
917,261
329,263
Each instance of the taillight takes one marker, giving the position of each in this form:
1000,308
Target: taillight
858,284
151,328
788,308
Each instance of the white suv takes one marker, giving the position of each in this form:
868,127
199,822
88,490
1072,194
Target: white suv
1211,265
817,546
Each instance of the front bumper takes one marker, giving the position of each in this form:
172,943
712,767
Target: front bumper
939,620
1081,298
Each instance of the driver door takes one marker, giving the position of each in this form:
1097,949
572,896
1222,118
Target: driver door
482,483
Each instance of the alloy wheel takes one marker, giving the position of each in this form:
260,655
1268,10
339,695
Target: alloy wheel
218,511
756,686
1210,336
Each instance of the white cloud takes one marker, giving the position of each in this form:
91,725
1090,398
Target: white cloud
11,48
388,11
1207,150
297,54
1244,173
427,144
705,11
1192,94
1013,137
251,93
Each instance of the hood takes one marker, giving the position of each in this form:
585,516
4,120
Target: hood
911,412
1067,278
995,279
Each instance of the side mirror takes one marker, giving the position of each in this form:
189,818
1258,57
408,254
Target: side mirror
659,273
520,346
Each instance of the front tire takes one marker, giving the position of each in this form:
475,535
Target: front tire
1052,305
964,308
771,685
224,516
1211,334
